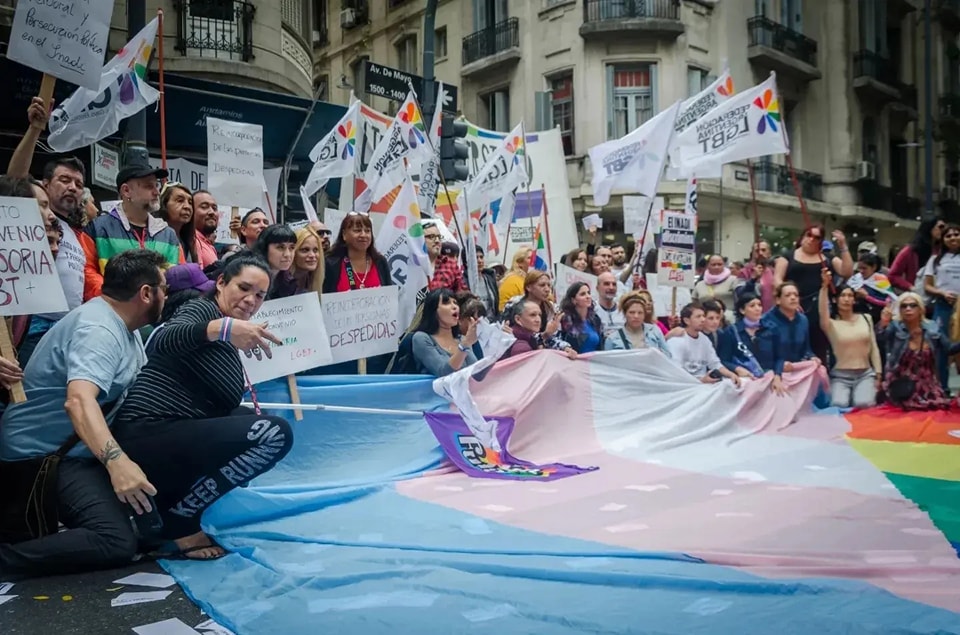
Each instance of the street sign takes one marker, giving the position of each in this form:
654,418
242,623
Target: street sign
392,83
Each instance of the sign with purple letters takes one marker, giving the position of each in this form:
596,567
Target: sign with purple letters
469,454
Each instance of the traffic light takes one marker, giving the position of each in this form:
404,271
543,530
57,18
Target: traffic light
453,149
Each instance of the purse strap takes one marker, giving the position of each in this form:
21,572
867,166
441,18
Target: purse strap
74,438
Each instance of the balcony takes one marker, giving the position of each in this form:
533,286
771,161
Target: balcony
875,78
215,29
947,12
491,48
906,106
873,195
775,178
775,47
631,18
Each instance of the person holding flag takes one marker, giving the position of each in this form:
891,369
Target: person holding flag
447,272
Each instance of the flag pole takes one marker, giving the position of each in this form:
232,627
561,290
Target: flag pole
753,195
163,101
546,224
513,214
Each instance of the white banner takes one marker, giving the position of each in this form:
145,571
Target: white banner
503,172
66,39
29,282
336,154
92,114
633,164
298,322
749,125
692,110
106,164
361,323
566,276
636,210
235,162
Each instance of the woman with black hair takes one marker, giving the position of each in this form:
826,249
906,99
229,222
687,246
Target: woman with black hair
910,261
277,245
439,347
871,296
942,284
580,326
176,208
354,262
751,347
181,420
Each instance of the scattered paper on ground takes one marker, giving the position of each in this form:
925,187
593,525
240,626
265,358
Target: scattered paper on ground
166,627
5,587
212,628
125,599
156,580
6,598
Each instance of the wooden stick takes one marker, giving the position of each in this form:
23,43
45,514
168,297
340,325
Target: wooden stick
673,302
17,395
46,90
235,215
295,396
362,366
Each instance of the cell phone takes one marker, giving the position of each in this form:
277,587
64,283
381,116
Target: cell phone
715,374
150,524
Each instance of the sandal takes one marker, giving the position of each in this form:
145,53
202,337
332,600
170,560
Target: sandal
184,554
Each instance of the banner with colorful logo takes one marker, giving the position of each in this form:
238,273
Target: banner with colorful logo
502,173
691,111
88,116
335,156
475,459
633,164
678,250
746,126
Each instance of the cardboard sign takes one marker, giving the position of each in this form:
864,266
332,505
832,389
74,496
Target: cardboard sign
298,322
678,250
66,39
566,276
29,282
362,323
106,164
235,162
663,296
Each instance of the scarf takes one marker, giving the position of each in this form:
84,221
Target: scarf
712,279
751,324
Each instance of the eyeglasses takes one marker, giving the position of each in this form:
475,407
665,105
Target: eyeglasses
432,237
169,185
325,232
815,236
358,213
162,287
909,305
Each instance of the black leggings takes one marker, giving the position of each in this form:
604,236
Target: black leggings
194,462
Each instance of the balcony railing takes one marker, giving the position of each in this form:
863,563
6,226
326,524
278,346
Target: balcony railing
950,106
875,66
766,32
220,29
597,10
773,177
904,206
888,199
491,40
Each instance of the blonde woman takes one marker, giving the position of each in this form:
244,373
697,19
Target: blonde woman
856,376
308,262
512,284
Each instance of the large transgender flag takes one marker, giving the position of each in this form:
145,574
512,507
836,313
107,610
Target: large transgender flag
711,512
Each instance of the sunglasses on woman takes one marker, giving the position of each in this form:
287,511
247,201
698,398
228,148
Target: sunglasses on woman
909,305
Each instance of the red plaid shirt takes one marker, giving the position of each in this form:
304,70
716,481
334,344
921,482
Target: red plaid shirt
448,274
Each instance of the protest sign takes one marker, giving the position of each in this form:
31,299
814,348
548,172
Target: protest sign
298,322
106,164
333,219
29,282
678,240
361,323
663,296
566,276
235,162
65,39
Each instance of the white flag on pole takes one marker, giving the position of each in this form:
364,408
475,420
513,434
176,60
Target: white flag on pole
746,126
691,111
633,164
503,172
430,168
88,116
334,156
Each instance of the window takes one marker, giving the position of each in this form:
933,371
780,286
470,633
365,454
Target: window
791,14
321,87
407,54
320,33
496,110
869,142
561,103
359,80
291,14
631,98
213,10
873,26
697,80
440,42
487,13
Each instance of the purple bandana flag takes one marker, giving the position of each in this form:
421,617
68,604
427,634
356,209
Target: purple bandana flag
476,460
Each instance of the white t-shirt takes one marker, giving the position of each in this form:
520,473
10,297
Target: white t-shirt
611,319
695,355
946,275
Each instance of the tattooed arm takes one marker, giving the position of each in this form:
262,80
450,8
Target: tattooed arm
129,481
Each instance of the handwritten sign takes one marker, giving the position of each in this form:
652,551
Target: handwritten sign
678,249
333,219
566,276
29,282
235,162
362,323
663,296
63,38
298,322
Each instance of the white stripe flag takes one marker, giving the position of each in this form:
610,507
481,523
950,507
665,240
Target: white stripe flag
633,163
746,126
504,171
88,116
430,169
691,111
334,156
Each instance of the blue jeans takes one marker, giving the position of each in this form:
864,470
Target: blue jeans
942,312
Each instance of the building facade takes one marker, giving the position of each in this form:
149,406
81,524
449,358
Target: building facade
850,73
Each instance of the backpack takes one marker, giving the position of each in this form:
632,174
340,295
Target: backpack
403,361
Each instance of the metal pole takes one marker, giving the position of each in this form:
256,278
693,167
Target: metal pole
427,98
928,116
135,133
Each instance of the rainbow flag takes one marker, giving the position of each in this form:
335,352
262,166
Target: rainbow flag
539,259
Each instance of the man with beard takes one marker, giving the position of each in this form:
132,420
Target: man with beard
82,368
130,225
207,219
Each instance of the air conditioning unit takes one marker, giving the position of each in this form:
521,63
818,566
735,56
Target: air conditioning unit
949,193
348,19
866,171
